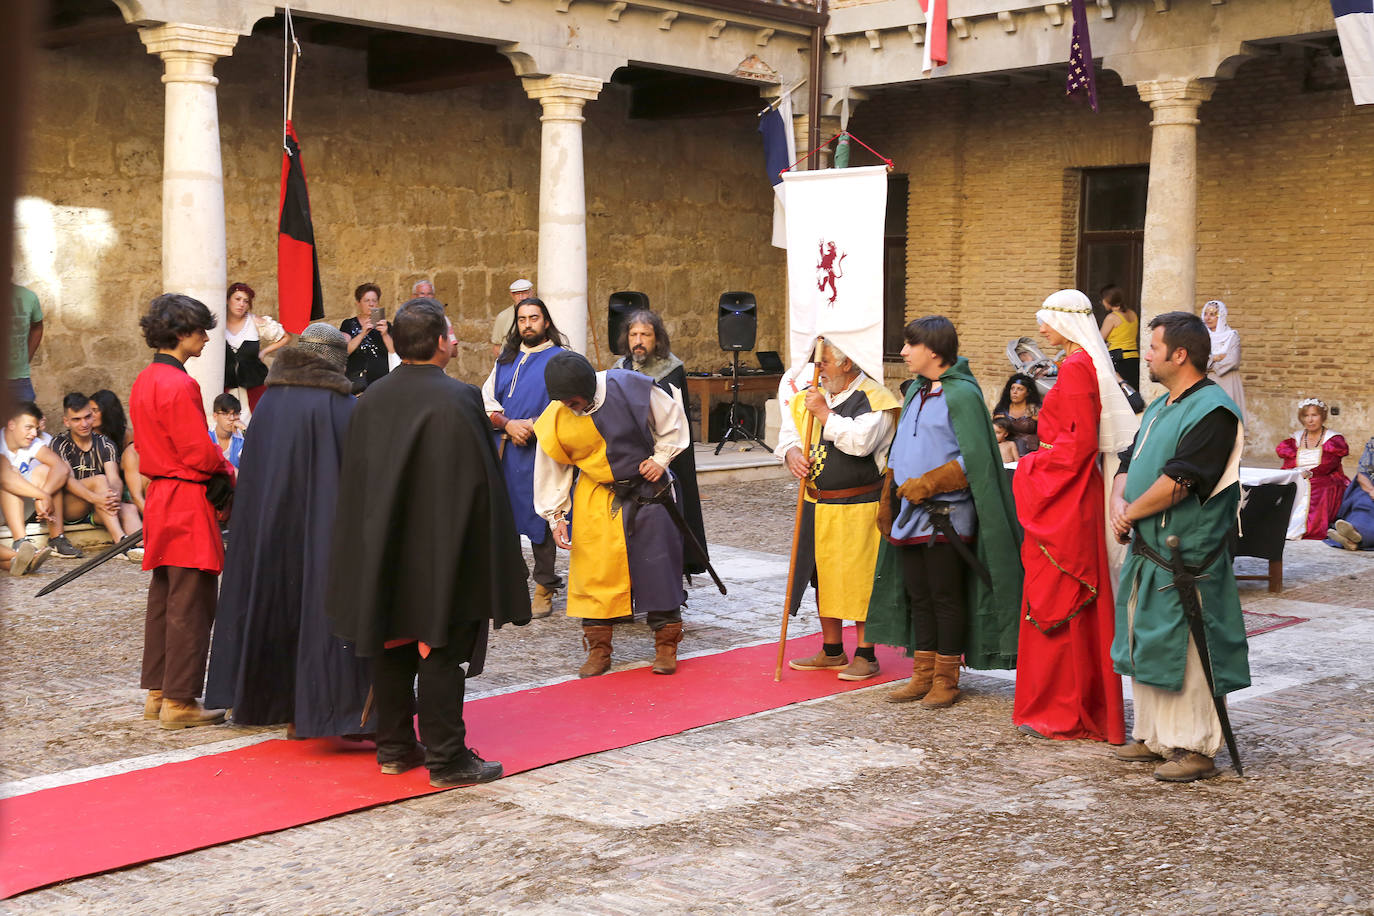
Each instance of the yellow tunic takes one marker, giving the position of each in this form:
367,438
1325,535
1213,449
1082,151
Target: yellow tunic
599,562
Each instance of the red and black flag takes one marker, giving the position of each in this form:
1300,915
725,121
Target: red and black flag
1082,80
299,299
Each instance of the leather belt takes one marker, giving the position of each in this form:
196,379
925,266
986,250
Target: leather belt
842,494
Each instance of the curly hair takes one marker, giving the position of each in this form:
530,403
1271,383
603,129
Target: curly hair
1032,392
644,316
241,288
173,316
365,289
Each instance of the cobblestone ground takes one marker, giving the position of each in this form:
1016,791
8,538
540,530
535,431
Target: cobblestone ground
843,804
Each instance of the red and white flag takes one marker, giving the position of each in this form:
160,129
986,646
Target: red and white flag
936,51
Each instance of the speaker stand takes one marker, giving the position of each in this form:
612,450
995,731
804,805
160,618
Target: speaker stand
734,428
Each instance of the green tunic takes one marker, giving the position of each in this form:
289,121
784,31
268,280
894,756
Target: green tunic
993,612
1154,650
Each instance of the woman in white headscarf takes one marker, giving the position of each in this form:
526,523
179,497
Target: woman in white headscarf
1065,685
1224,366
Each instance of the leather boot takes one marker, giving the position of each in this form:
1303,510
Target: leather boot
541,605
597,641
187,714
666,639
945,687
152,706
922,675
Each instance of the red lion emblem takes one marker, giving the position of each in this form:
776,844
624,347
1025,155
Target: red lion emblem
830,269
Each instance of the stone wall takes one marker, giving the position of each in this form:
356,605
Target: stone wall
1286,219
443,185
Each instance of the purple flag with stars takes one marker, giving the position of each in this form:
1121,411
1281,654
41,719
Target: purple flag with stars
1082,82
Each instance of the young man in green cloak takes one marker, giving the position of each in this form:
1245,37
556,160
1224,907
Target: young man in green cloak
945,601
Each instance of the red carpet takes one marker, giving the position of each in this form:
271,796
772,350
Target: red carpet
116,821
1256,623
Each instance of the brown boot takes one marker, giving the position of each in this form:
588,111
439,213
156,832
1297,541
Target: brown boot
922,675
541,605
944,689
666,639
597,641
187,714
153,705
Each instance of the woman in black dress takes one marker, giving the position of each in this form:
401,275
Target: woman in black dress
369,338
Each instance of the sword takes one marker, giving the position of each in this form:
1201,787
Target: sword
1185,583
129,542
663,497
939,518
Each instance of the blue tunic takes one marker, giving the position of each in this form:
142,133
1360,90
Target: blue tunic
520,389
924,441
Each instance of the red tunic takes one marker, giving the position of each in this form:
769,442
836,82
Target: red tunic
1065,685
179,525
1328,482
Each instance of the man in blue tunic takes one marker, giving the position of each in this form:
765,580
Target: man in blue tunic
514,396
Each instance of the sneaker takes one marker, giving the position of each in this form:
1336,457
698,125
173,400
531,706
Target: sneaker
1136,752
1185,766
474,771
39,558
860,669
415,757
1340,539
65,548
22,561
819,662
1347,531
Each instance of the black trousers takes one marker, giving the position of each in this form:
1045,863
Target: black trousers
934,578
657,620
544,555
440,701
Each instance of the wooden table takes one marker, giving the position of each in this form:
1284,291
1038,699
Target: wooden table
708,389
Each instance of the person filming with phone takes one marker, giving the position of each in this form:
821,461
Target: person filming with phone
369,338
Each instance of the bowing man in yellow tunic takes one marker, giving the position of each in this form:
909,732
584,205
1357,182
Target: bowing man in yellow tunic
619,431
852,418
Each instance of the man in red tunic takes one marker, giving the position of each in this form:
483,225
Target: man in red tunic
181,539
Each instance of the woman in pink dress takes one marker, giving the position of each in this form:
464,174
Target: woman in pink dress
1317,451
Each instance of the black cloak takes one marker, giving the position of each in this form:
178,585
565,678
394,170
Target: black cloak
273,657
424,539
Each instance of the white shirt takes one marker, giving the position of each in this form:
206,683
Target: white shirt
24,460
867,434
489,399
553,482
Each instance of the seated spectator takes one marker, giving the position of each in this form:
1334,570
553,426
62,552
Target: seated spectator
227,432
1353,528
94,487
34,490
113,424
1020,402
1317,452
1005,443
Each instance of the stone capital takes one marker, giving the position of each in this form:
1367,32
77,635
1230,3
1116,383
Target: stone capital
1175,101
188,52
562,95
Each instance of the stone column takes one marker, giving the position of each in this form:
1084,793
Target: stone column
562,280
1170,255
193,254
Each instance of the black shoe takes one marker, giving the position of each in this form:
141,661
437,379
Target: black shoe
64,548
414,757
473,771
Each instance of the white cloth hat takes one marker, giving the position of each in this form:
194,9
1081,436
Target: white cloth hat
519,286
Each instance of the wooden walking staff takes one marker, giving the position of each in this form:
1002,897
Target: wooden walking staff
797,520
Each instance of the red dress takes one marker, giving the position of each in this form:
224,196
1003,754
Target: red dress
1065,685
179,525
1328,482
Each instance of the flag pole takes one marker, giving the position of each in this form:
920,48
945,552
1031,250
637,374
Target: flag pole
797,519
291,92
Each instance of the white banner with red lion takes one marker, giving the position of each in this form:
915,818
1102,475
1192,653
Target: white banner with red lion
835,220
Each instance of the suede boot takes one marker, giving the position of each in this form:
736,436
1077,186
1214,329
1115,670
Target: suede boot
187,714
597,641
944,689
666,639
922,675
152,706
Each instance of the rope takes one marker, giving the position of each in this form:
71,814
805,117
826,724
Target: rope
843,133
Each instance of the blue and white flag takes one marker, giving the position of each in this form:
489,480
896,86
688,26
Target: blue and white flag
779,151
1355,26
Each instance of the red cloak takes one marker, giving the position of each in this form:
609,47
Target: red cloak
1065,685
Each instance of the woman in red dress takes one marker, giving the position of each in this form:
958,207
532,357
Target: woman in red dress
1318,452
1065,685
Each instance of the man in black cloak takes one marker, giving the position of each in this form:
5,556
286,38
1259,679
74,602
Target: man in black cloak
273,657
425,553
644,341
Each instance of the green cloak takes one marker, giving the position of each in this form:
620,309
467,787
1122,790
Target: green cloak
993,612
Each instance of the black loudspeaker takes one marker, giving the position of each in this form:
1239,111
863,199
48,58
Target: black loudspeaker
737,321
617,310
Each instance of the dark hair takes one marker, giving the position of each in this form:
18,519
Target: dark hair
417,327
75,400
365,289
242,288
26,409
512,344
226,403
1185,331
1003,423
938,334
113,424
1032,391
173,316
1112,295
644,316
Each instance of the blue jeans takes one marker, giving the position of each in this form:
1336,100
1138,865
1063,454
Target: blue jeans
21,389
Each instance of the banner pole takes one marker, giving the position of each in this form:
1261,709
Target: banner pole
797,519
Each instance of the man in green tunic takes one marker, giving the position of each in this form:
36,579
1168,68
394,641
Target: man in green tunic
1179,478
